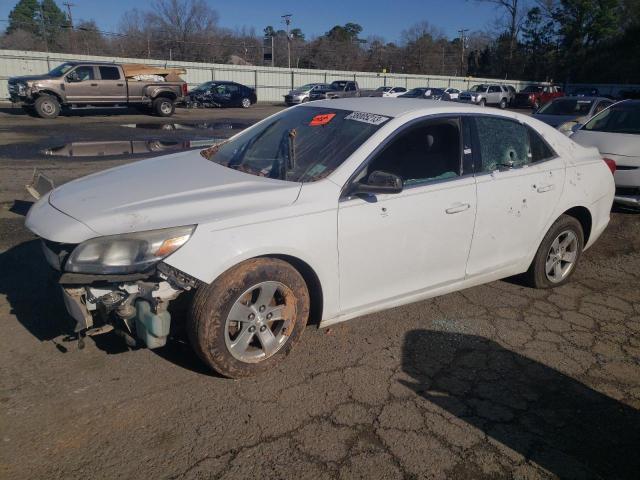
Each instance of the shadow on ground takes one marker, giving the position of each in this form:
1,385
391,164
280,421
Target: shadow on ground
546,416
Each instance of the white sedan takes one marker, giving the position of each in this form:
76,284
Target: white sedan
325,211
452,93
616,133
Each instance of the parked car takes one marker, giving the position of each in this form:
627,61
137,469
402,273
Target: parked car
391,91
485,94
222,94
303,94
99,85
337,89
511,93
419,92
616,133
451,93
534,96
383,203
565,112
435,94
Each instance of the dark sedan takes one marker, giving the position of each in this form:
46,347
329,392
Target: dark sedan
222,94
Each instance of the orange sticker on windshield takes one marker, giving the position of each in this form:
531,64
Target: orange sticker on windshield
321,119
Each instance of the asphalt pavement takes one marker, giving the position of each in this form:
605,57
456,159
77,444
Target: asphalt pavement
497,381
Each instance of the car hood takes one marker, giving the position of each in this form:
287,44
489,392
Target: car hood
556,120
623,144
30,78
172,190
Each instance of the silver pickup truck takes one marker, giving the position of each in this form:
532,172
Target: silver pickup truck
99,85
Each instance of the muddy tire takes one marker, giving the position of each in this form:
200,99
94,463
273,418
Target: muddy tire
249,319
163,107
558,254
47,106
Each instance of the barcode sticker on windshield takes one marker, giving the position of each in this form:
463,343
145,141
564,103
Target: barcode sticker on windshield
370,118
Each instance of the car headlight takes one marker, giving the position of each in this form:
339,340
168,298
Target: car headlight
127,253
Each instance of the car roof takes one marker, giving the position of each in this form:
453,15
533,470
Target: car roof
396,107
90,62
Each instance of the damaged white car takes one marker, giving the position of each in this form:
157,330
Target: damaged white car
325,211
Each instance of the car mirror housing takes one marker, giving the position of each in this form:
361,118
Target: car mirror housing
379,182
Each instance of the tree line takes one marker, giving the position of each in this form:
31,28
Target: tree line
563,40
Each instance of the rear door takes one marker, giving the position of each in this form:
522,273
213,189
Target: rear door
494,94
111,85
519,181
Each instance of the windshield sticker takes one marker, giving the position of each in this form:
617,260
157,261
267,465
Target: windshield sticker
369,118
322,119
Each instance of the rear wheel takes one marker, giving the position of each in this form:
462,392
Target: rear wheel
245,102
164,107
558,254
503,103
47,106
248,320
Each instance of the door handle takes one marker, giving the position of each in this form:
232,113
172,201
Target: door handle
461,207
545,188
94,84
120,84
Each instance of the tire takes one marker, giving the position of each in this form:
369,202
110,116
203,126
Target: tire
163,106
245,102
503,103
305,100
47,106
536,104
482,103
217,337
537,276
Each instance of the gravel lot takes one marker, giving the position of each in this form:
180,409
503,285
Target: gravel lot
497,381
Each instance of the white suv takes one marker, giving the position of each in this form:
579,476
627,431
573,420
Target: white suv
485,94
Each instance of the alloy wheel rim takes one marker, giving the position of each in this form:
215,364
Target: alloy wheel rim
260,322
246,103
165,107
562,256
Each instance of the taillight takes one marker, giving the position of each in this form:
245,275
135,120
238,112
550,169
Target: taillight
184,90
611,164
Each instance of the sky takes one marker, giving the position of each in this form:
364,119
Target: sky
386,18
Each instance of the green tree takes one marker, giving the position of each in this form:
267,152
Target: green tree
25,16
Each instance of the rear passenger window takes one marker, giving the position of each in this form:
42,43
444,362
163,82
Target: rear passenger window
540,150
109,73
503,143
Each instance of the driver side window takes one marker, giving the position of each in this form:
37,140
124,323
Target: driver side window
427,151
82,74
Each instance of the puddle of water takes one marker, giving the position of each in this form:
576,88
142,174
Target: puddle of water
189,126
125,147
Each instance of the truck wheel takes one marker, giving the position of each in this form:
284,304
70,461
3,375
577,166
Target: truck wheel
503,103
245,102
47,106
249,319
558,254
164,107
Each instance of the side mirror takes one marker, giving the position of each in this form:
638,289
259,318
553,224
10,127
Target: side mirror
73,77
378,182
576,127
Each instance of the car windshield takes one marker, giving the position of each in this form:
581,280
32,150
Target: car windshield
60,70
567,106
479,88
383,89
203,86
308,86
339,85
531,89
414,92
621,118
299,145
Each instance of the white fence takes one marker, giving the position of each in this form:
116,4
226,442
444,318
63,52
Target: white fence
271,83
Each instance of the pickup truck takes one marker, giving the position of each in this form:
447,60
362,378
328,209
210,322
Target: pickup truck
337,89
534,96
99,85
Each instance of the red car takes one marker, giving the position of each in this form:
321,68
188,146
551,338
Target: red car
534,96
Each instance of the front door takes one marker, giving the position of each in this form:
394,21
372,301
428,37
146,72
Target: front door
81,85
519,182
393,245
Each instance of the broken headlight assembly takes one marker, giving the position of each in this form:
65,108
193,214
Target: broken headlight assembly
127,253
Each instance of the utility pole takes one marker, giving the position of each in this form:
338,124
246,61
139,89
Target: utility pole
287,20
70,17
44,28
463,38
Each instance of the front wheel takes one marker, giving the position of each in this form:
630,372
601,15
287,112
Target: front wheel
47,106
483,102
164,107
245,102
249,319
558,254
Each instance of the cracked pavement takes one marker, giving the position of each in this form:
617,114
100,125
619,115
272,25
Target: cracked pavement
497,381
